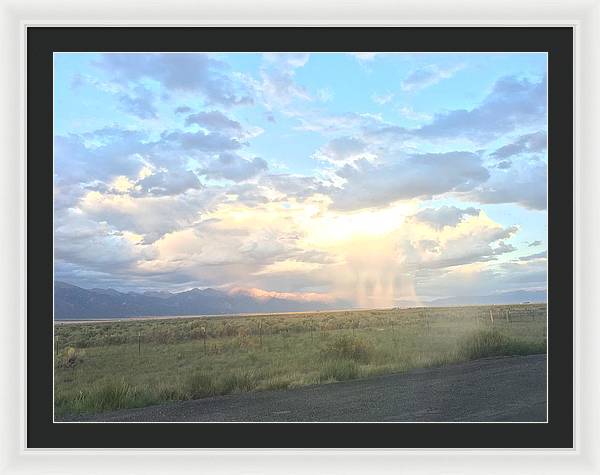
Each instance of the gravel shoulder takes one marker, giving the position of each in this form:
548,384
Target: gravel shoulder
509,389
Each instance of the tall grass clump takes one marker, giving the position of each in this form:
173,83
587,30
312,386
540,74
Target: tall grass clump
349,348
338,370
489,343
108,396
200,384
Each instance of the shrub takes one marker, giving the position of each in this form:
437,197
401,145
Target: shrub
348,347
487,343
71,357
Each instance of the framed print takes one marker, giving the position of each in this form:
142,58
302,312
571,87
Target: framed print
399,257
288,240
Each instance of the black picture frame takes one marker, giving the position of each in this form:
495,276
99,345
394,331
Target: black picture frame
42,432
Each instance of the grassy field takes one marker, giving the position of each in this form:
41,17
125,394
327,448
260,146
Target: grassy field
104,366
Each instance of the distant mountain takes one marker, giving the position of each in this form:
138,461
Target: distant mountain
506,298
72,302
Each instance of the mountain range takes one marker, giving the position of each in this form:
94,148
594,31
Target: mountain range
72,302
504,298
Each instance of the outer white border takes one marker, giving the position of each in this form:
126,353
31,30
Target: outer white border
583,14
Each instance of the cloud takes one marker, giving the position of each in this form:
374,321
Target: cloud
511,104
478,279
444,216
413,176
326,123
86,243
411,114
342,150
529,143
198,141
183,201
297,296
293,186
214,121
178,72
474,240
101,155
148,216
427,76
325,95
524,185
183,110
233,167
139,103
534,243
169,183
277,85
531,257
382,99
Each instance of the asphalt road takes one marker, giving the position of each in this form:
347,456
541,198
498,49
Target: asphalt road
494,389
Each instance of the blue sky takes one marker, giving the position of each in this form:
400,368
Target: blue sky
373,178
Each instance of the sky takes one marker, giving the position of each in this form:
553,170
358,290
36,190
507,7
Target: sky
364,177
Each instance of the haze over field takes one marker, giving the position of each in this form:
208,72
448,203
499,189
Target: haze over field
376,180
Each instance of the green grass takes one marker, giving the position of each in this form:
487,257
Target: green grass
100,367
488,343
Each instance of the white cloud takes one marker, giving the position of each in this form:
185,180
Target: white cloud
428,76
411,114
382,99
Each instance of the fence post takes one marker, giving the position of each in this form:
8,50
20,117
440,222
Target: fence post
491,316
204,338
260,332
139,343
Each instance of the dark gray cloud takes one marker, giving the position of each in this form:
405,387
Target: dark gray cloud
182,72
374,185
444,216
233,167
529,143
